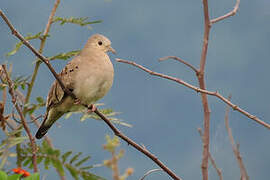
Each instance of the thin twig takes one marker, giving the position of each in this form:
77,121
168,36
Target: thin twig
180,60
41,47
106,120
212,93
149,172
219,172
19,110
243,171
229,14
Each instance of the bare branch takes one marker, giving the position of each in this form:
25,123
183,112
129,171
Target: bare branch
149,172
243,171
231,13
180,60
19,110
219,172
212,93
106,120
200,76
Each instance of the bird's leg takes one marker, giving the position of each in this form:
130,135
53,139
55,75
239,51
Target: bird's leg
91,108
77,101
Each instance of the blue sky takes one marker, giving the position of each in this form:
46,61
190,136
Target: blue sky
165,115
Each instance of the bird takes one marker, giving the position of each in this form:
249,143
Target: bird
89,76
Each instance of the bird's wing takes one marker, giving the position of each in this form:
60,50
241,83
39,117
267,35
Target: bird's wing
67,76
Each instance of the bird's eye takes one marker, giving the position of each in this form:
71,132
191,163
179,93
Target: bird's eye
100,43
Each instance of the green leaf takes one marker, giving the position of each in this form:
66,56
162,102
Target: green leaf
34,176
82,161
79,21
86,167
90,176
65,156
75,157
47,163
58,165
14,177
3,175
19,44
28,160
65,56
40,100
72,171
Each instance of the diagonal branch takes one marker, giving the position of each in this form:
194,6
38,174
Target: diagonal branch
19,110
219,172
106,120
243,171
181,61
212,93
229,14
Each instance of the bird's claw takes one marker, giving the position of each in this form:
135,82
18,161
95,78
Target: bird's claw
77,102
91,108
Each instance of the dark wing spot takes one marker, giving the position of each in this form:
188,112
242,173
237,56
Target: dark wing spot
76,67
71,70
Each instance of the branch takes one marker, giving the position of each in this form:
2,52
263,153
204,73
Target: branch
27,129
149,172
200,76
219,172
244,175
106,120
42,44
180,60
231,13
212,93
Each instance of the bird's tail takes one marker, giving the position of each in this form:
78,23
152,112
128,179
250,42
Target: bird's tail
43,129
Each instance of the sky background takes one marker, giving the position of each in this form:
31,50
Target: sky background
165,115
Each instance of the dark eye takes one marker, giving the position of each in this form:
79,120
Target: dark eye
100,43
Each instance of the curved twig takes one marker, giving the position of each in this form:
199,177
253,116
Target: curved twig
149,172
229,14
180,60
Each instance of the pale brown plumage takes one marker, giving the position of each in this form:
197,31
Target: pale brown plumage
89,76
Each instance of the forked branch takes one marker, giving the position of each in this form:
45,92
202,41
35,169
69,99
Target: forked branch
212,93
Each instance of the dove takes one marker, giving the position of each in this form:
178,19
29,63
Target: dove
89,76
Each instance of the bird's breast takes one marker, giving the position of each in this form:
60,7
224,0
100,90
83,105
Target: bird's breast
93,84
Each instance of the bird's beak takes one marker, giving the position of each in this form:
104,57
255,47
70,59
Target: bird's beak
112,50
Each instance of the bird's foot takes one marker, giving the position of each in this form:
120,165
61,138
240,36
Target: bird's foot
77,101
91,108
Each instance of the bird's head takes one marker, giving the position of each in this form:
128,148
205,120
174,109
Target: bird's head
99,42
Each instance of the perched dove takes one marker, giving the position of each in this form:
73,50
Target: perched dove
89,76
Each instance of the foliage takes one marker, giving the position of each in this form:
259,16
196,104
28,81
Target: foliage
82,21
19,44
73,163
10,141
109,112
4,176
65,56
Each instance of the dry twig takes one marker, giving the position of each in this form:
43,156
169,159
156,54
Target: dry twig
243,171
149,172
212,93
231,13
106,120
19,110
219,172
